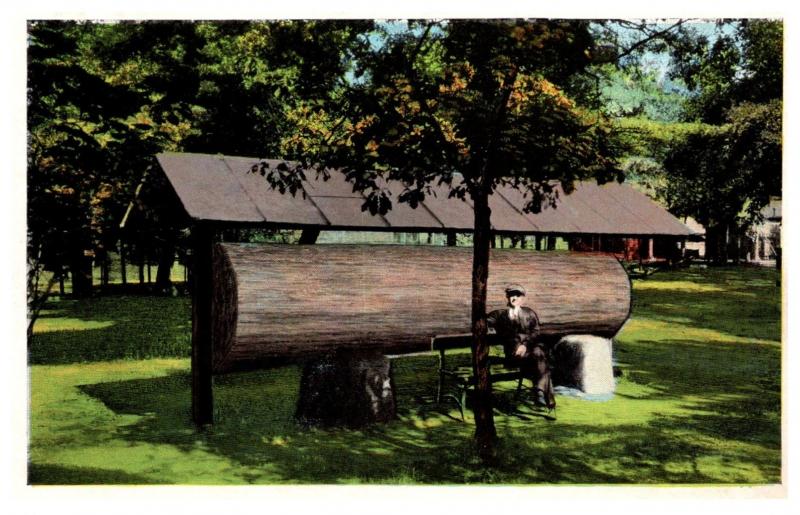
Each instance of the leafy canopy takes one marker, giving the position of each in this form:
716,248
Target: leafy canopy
466,104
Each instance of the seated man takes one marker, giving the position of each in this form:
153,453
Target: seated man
517,327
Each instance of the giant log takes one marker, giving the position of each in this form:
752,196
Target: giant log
299,301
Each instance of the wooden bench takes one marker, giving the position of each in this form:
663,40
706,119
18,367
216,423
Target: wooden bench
462,378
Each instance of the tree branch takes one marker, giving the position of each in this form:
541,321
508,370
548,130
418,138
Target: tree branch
500,113
650,37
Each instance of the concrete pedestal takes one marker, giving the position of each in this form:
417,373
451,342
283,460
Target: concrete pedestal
584,361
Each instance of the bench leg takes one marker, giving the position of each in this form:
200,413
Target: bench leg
441,378
518,391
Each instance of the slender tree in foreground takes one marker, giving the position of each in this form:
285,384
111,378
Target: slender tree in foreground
461,108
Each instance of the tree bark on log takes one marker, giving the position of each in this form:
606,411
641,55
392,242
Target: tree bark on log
293,301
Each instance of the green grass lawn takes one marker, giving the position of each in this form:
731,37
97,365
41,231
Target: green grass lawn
699,403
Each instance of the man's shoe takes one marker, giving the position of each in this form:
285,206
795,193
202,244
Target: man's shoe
539,398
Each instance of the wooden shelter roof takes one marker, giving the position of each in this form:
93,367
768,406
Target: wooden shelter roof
223,189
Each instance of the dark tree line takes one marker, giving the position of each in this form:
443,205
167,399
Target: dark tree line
104,98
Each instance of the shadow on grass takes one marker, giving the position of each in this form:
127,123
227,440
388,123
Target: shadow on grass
134,327
255,430
61,475
693,410
740,302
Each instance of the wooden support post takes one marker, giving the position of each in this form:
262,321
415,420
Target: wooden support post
451,239
202,343
104,271
551,243
308,237
123,265
538,242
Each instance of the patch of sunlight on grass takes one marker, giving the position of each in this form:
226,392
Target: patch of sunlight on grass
728,471
49,325
424,423
160,462
678,467
121,369
280,441
113,405
619,410
648,329
677,285
717,397
380,451
749,294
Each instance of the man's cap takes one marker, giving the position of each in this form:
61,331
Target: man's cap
514,288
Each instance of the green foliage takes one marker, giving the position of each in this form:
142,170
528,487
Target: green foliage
742,65
717,176
647,137
722,169
634,93
104,98
442,101
78,153
762,52
699,403
714,79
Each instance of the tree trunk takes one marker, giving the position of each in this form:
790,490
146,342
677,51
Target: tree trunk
715,244
485,432
166,258
123,264
104,271
81,269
